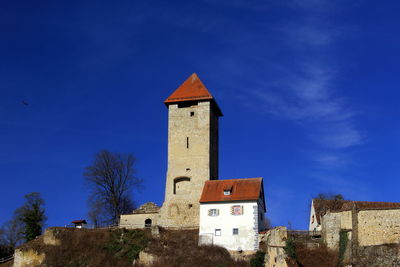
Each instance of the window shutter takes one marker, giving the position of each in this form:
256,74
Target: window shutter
217,212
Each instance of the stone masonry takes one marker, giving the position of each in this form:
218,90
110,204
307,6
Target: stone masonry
192,160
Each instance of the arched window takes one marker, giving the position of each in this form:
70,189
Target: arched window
147,223
182,186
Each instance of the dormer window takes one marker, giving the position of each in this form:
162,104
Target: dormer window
227,190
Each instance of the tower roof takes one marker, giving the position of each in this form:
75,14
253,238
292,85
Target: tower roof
192,90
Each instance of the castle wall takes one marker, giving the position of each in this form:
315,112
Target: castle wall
377,227
137,220
192,160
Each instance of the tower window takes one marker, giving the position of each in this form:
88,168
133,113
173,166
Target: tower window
235,231
191,113
187,142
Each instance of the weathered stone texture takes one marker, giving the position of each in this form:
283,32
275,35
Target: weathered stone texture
379,256
345,220
192,160
137,220
149,207
49,237
274,241
331,223
376,227
29,258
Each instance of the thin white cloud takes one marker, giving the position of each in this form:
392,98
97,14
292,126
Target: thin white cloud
306,91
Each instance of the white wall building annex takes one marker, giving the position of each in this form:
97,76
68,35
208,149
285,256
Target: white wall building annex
232,213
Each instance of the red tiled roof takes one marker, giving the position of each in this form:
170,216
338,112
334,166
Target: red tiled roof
79,221
322,206
242,189
191,89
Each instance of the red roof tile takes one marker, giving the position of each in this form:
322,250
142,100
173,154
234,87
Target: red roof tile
242,189
191,89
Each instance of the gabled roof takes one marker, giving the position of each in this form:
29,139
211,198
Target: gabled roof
192,90
322,206
242,189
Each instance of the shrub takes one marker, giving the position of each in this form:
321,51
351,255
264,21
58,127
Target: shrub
290,248
342,244
127,243
258,259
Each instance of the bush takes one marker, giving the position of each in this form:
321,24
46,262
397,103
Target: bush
258,259
290,248
127,243
342,244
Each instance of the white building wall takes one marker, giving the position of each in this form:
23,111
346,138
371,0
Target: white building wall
247,223
313,226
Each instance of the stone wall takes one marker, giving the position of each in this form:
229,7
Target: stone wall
378,256
192,139
377,227
137,220
273,243
331,226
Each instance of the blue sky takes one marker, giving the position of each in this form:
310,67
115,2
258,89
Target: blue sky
308,88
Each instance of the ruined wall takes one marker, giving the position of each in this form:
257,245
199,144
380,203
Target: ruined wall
379,256
132,221
273,243
331,224
377,227
345,220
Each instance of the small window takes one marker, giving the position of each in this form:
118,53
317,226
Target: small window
235,231
217,232
191,113
187,142
213,212
236,210
227,192
190,206
187,169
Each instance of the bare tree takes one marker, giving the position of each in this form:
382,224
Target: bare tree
111,179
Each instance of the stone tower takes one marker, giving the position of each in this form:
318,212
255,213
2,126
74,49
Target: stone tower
192,151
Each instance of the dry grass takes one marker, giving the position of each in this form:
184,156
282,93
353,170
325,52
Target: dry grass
316,257
179,248
79,247
85,247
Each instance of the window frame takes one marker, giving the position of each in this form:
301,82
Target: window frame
217,232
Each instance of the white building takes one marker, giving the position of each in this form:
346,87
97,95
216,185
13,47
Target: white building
232,213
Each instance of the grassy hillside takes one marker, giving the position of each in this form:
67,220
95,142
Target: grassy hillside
119,247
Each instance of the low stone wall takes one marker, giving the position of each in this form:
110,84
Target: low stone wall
132,221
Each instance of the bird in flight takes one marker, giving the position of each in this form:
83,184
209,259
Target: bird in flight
24,103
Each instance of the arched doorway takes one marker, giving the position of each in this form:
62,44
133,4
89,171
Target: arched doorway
147,223
182,186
